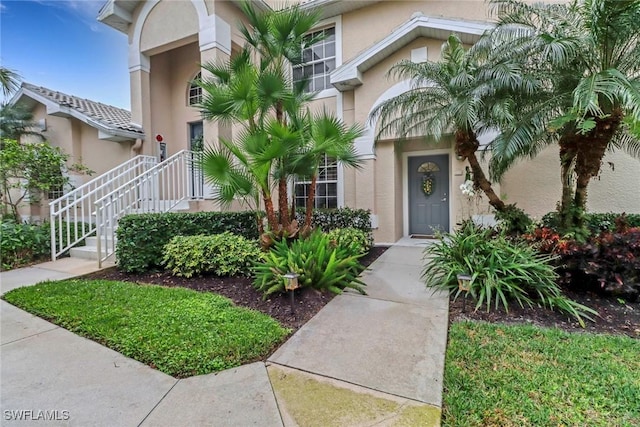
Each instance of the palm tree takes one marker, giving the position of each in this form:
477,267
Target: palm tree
279,137
440,101
9,81
239,93
279,38
323,135
16,121
574,77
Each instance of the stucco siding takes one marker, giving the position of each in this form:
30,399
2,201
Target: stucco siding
172,72
358,33
168,22
535,184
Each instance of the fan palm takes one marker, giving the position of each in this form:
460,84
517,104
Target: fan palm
441,100
9,81
574,77
279,137
279,39
16,121
323,135
237,92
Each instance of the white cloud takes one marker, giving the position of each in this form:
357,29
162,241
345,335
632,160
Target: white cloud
84,10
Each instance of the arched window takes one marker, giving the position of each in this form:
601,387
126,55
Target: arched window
195,92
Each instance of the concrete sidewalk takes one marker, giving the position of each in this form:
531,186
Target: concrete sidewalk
362,360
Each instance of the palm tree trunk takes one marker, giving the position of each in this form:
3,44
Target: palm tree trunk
567,157
467,145
311,198
590,153
480,180
272,220
283,202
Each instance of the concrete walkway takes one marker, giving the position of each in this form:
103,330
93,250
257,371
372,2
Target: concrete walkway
362,360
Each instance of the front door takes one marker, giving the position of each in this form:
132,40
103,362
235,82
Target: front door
428,194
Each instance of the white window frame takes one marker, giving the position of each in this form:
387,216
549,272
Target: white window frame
192,100
325,164
336,23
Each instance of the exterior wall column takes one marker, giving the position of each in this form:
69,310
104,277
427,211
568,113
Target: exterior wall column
140,81
215,46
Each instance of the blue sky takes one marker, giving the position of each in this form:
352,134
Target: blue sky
59,44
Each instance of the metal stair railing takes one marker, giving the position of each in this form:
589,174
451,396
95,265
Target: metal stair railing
159,189
71,215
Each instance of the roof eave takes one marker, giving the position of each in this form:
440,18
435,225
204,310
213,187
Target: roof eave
330,8
116,16
350,74
118,135
61,110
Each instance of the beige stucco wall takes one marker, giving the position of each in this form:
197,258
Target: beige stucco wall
81,142
379,184
535,184
171,73
358,33
376,81
168,22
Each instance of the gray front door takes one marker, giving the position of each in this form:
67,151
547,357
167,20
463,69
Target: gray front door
428,194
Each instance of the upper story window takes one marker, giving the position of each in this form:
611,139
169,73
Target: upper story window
195,92
318,61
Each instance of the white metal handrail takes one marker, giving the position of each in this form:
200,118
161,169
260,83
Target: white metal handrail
158,189
71,215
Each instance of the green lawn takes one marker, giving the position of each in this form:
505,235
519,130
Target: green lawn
528,376
178,331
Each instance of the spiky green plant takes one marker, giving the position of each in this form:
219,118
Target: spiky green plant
502,272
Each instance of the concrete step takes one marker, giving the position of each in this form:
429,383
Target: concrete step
86,252
93,241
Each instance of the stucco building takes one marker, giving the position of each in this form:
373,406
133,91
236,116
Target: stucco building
169,39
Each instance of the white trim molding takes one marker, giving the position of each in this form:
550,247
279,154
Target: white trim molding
350,74
213,32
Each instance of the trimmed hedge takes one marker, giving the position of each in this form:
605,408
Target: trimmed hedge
357,242
330,219
595,222
141,238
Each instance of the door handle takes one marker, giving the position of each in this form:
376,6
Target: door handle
444,199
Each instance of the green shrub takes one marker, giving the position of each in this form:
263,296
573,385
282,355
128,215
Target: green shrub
357,242
141,238
223,254
318,264
26,243
514,220
23,243
501,271
595,222
330,219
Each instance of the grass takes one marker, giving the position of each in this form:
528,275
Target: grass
528,376
177,331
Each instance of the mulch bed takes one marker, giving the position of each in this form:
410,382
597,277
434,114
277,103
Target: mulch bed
616,317
307,302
